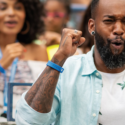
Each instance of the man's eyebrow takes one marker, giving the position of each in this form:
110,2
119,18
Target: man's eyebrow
112,17
109,16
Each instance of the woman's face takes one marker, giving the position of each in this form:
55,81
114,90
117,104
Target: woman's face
12,17
56,16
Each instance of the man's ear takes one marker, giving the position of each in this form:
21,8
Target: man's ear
91,26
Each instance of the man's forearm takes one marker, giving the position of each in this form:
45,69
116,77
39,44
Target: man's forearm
40,96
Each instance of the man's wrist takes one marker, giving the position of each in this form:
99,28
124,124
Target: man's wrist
59,59
55,66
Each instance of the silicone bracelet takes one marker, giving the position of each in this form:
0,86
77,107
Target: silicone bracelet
55,66
2,70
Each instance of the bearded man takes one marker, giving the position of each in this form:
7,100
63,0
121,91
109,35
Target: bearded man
91,90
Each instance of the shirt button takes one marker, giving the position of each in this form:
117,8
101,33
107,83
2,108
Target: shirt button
98,91
94,115
97,74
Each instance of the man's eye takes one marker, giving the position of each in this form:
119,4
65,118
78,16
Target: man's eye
108,20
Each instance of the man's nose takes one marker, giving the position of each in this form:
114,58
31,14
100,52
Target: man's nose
118,29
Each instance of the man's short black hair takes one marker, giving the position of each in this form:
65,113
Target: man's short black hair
93,7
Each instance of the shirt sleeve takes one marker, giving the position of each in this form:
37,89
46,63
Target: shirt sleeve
25,115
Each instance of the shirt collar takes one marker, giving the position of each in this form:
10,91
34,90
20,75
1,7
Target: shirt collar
88,63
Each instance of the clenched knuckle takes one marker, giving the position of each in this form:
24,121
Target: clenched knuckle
64,30
69,35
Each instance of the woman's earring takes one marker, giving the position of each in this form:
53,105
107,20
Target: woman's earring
27,29
93,33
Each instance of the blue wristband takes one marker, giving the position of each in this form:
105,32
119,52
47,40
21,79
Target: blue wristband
2,70
55,66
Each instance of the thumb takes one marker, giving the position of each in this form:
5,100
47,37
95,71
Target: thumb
81,41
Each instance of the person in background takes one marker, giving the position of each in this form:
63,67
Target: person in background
49,38
20,23
86,46
57,14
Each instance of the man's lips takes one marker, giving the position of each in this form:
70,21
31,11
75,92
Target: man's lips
117,41
117,44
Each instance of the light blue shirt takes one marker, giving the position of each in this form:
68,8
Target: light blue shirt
77,97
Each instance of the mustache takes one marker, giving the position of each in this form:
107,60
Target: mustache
116,39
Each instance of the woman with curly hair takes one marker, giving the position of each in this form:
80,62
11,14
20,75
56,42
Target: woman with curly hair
20,24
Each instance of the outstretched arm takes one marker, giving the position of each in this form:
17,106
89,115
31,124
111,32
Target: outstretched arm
40,96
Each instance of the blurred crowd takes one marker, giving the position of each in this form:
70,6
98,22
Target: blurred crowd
30,33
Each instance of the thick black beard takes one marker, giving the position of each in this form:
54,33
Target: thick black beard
112,61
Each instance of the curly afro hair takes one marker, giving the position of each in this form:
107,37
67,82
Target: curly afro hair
34,12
